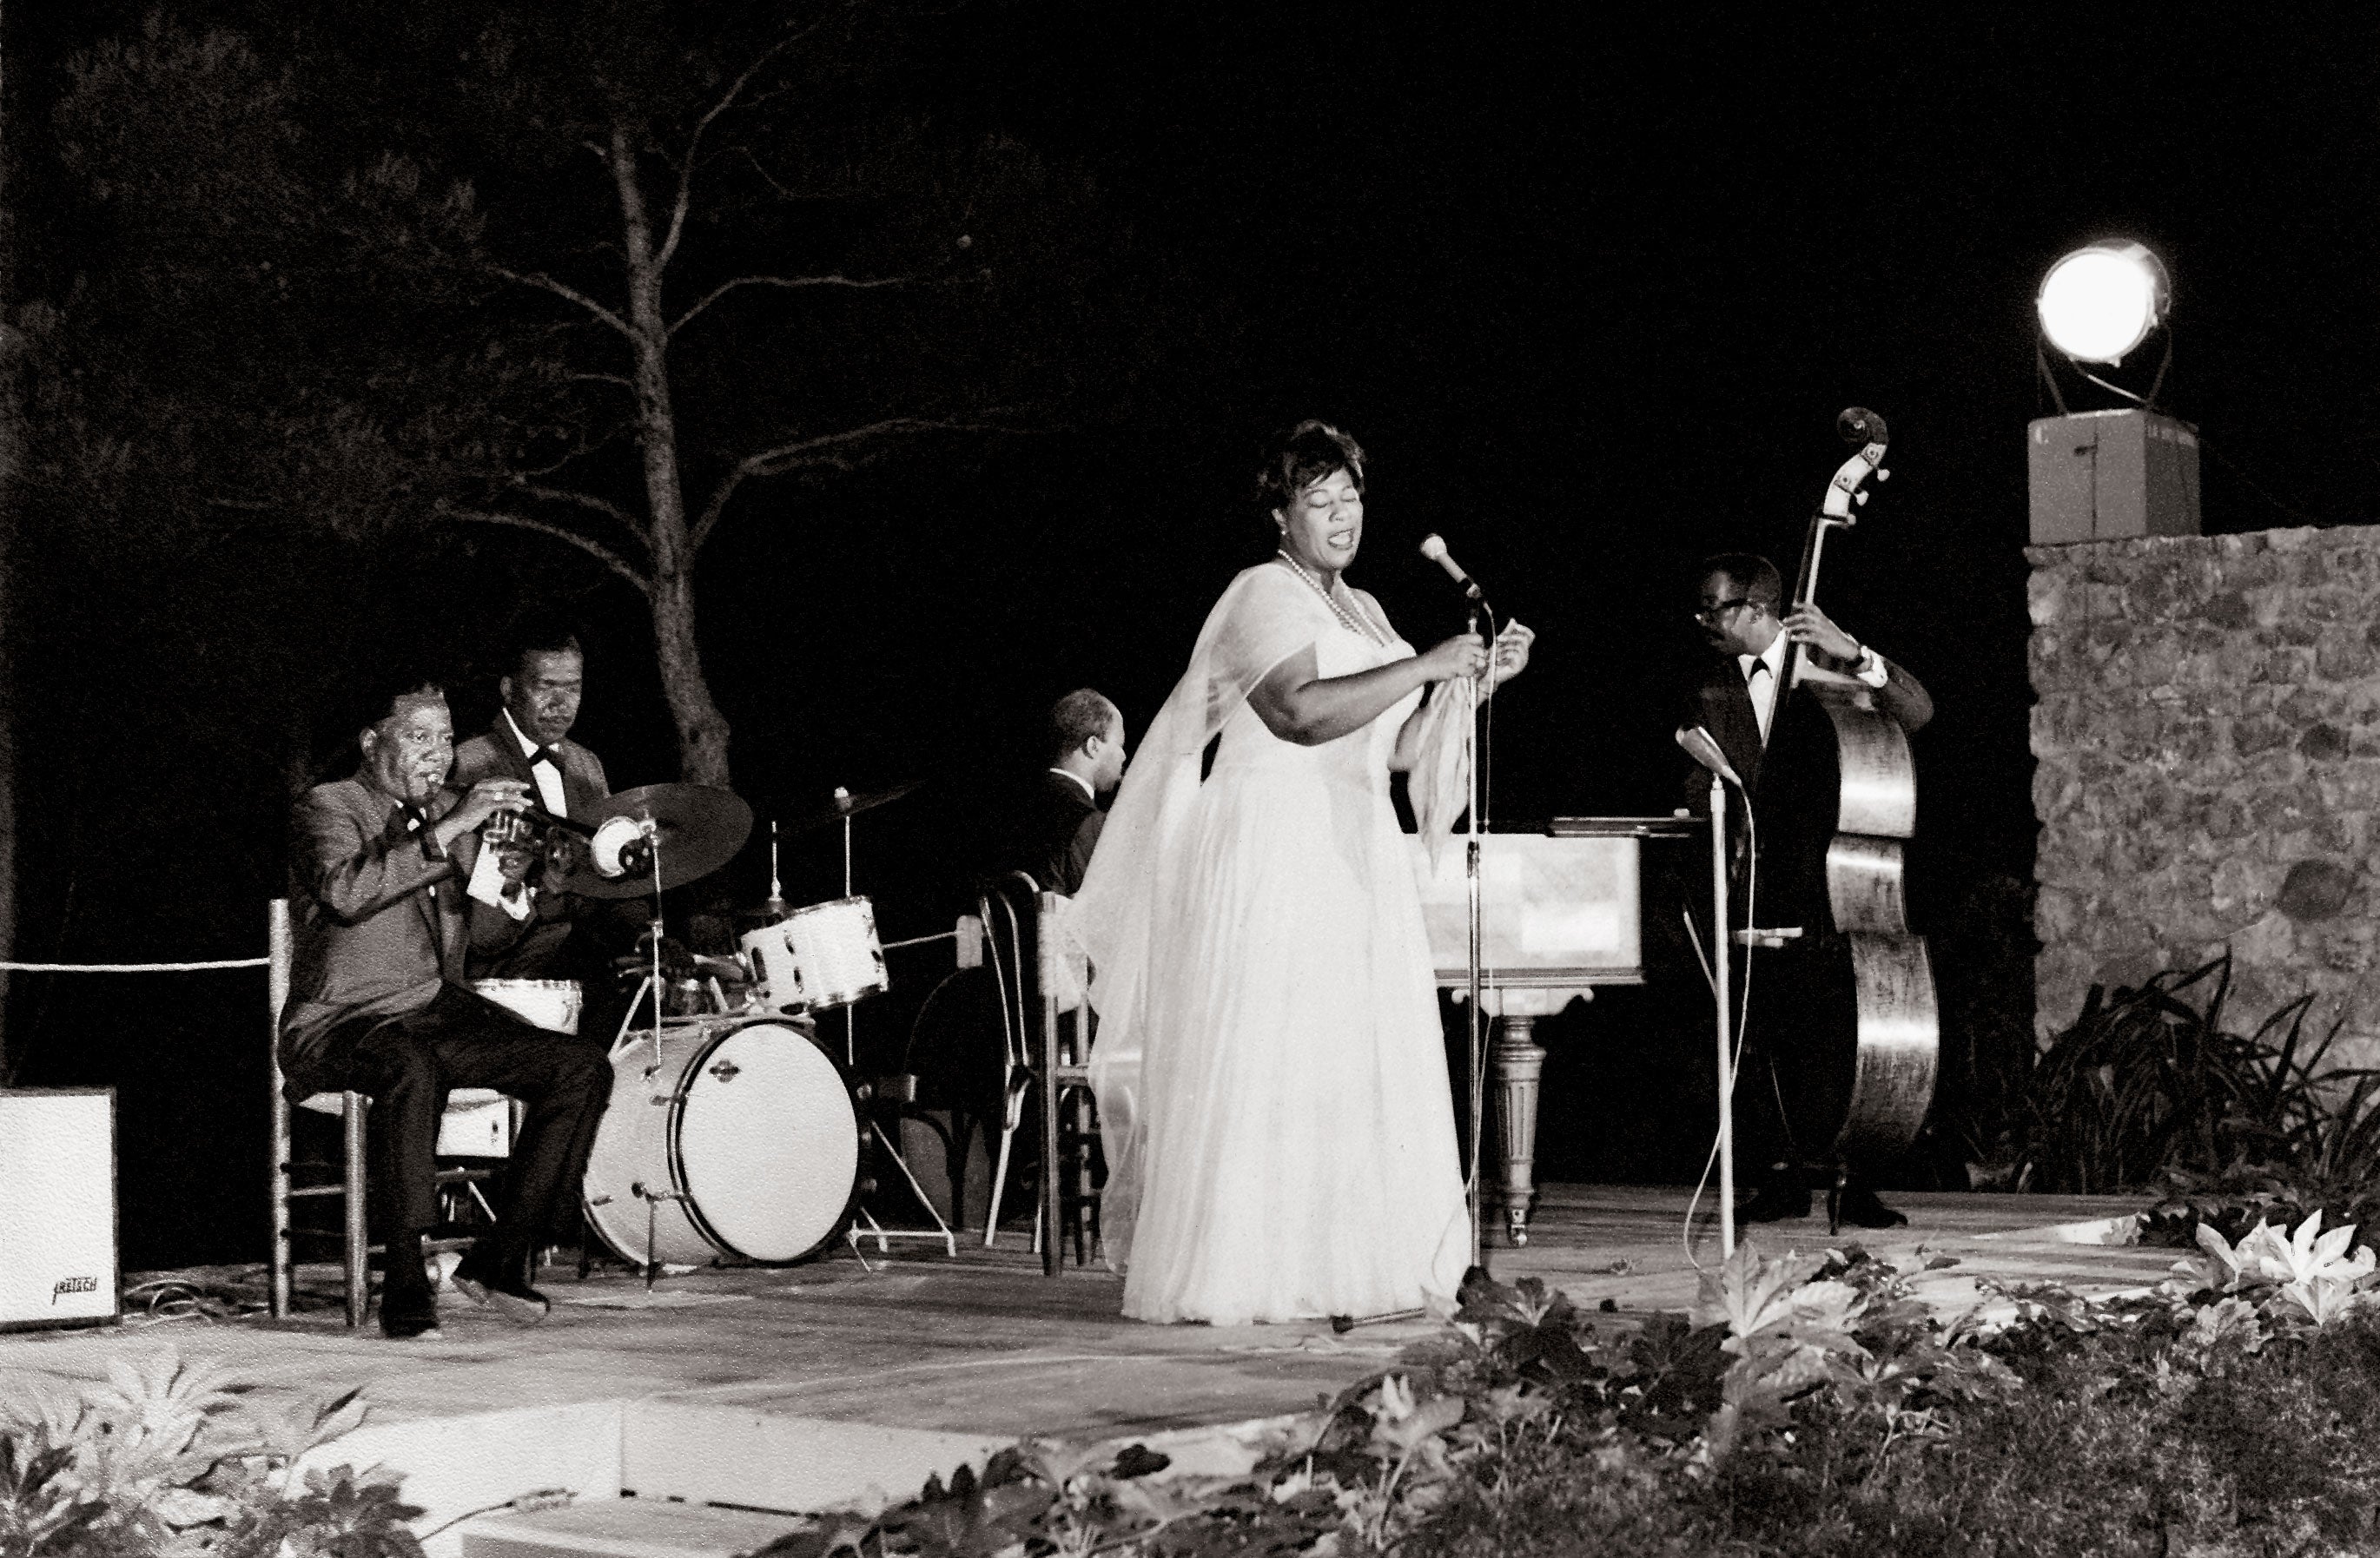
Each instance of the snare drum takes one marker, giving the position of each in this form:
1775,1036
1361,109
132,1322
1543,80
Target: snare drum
551,1004
825,955
741,1140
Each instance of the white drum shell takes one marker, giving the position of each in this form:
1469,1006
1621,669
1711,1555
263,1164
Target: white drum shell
550,1004
745,1131
823,955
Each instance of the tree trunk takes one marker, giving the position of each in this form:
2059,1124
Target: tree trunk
12,455
701,729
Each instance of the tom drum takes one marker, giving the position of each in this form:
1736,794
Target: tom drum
825,955
740,1140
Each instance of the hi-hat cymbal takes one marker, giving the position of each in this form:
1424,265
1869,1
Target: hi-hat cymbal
845,805
696,827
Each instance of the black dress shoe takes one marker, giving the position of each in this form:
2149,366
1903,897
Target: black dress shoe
491,1277
1858,1206
408,1315
1776,1203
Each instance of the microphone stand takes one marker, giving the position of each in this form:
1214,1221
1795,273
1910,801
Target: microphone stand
1722,986
1476,1048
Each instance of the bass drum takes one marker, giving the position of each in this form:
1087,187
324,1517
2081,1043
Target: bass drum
740,1141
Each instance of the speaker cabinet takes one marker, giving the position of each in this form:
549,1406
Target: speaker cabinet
58,1208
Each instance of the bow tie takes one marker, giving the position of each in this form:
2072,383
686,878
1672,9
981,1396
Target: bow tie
545,755
1755,668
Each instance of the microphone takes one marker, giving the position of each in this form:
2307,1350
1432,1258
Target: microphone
1434,548
1700,746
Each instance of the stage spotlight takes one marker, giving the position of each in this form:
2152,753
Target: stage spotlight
2101,301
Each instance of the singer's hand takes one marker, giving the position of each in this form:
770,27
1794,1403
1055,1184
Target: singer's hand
1511,655
1465,654
1807,624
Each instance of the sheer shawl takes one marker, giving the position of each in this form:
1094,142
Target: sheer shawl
1133,907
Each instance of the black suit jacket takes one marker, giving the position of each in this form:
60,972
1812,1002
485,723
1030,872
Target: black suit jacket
1721,704
378,926
1062,827
602,927
1795,808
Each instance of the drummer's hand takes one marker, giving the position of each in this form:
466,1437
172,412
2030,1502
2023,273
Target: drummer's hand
1807,624
1511,653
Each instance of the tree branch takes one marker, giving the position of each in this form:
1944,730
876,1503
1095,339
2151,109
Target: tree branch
693,142
723,288
594,548
539,279
583,499
827,449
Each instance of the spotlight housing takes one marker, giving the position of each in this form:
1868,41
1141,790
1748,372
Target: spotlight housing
2100,302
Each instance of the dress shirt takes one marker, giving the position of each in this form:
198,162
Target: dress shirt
1763,687
547,774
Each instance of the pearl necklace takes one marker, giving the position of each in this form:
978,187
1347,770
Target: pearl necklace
1356,625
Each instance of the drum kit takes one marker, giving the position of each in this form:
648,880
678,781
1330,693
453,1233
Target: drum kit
733,1133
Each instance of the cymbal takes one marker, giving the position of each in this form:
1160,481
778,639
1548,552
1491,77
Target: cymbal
699,827
845,805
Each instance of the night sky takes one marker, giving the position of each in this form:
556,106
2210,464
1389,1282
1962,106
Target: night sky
1589,291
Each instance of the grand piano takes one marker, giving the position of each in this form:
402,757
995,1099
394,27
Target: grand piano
1560,913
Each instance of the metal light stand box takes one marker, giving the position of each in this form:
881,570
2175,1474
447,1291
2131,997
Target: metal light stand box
2104,476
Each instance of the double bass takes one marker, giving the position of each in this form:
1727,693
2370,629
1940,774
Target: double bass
1838,805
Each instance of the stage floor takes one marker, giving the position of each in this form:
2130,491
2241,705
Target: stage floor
828,1385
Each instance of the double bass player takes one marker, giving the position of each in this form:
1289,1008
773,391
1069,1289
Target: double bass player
1742,702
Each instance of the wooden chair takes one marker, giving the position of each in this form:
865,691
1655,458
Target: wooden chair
472,1123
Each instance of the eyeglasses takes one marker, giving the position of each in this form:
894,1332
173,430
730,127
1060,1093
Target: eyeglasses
1719,609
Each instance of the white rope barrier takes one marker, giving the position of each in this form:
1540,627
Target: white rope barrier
136,968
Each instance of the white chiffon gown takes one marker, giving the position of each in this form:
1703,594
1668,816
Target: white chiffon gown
1271,1072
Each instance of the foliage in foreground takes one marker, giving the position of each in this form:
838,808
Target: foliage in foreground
1804,1407
170,1458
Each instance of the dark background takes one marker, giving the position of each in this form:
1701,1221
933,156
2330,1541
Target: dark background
1590,295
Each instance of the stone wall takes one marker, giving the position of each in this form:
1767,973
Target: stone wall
2206,736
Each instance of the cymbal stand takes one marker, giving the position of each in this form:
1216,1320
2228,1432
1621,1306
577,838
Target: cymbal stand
850,1013
651,982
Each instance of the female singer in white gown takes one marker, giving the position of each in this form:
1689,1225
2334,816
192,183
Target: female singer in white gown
1272,1076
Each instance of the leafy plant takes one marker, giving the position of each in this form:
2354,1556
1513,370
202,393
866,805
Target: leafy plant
171,1458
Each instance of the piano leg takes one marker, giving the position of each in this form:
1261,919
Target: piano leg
1516,1061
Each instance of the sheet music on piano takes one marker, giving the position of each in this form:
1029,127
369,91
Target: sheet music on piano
1560,908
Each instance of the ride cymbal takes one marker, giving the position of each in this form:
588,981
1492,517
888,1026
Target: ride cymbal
696,828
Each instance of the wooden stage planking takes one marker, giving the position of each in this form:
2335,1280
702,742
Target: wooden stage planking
828,1385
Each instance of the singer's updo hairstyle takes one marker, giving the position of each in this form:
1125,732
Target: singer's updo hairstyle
1306,454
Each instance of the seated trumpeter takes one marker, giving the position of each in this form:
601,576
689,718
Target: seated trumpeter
391,891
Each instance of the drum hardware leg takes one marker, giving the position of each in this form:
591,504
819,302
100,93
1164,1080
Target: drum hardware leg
1835,1196
651,1264
940,1229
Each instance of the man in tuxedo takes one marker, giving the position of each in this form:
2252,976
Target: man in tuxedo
571,937
1740,700
391,891
1087,758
